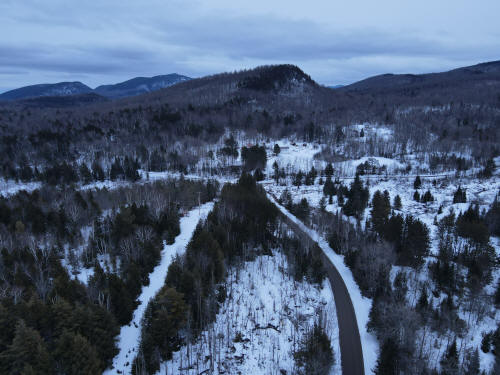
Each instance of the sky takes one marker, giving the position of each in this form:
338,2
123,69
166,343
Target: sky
336,42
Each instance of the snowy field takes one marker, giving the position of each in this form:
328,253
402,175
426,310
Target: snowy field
260,324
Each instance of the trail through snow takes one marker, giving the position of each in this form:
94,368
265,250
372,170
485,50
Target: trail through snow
129,338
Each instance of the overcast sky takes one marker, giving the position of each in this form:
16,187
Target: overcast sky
336,42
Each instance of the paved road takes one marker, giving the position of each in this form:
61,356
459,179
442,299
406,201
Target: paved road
350,342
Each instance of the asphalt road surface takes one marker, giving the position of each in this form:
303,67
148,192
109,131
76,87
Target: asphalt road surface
350,343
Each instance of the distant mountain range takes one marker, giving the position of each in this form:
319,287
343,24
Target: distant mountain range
139,85
132,87
488,71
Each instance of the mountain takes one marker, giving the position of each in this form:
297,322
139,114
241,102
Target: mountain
139,85
42,90
132,87
489,71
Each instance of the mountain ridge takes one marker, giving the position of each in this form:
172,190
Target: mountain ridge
131,87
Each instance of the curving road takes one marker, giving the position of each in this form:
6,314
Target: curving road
350,342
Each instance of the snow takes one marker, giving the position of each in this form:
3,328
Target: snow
293,156
348,167
11,187
129,338
361,304
259,294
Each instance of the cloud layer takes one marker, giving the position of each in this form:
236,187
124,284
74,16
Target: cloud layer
335,42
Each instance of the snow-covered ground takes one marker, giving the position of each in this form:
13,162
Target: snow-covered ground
11,187
442,185
129,338
294,156
260,324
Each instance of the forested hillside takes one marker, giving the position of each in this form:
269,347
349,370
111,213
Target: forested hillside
155,215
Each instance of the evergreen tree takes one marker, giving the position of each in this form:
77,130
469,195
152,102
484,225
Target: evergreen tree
417,183
449,361
414,245
381,208
489,168
74,355
276,149
388,361
357,198
329,187
397,203
416,196
97,171
230,147
297,181
276,170
497,294
493,217
329,170
460,196
427,197
258,175
473,365
315,356
26,354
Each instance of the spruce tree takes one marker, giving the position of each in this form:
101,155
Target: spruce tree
397,203
329,170
276,149
417,183
449,361
26,354
473,365
381,208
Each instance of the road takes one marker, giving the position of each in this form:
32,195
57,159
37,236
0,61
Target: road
350,342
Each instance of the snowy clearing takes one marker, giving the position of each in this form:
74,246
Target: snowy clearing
260,324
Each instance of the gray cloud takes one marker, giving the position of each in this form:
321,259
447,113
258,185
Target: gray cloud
111,40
